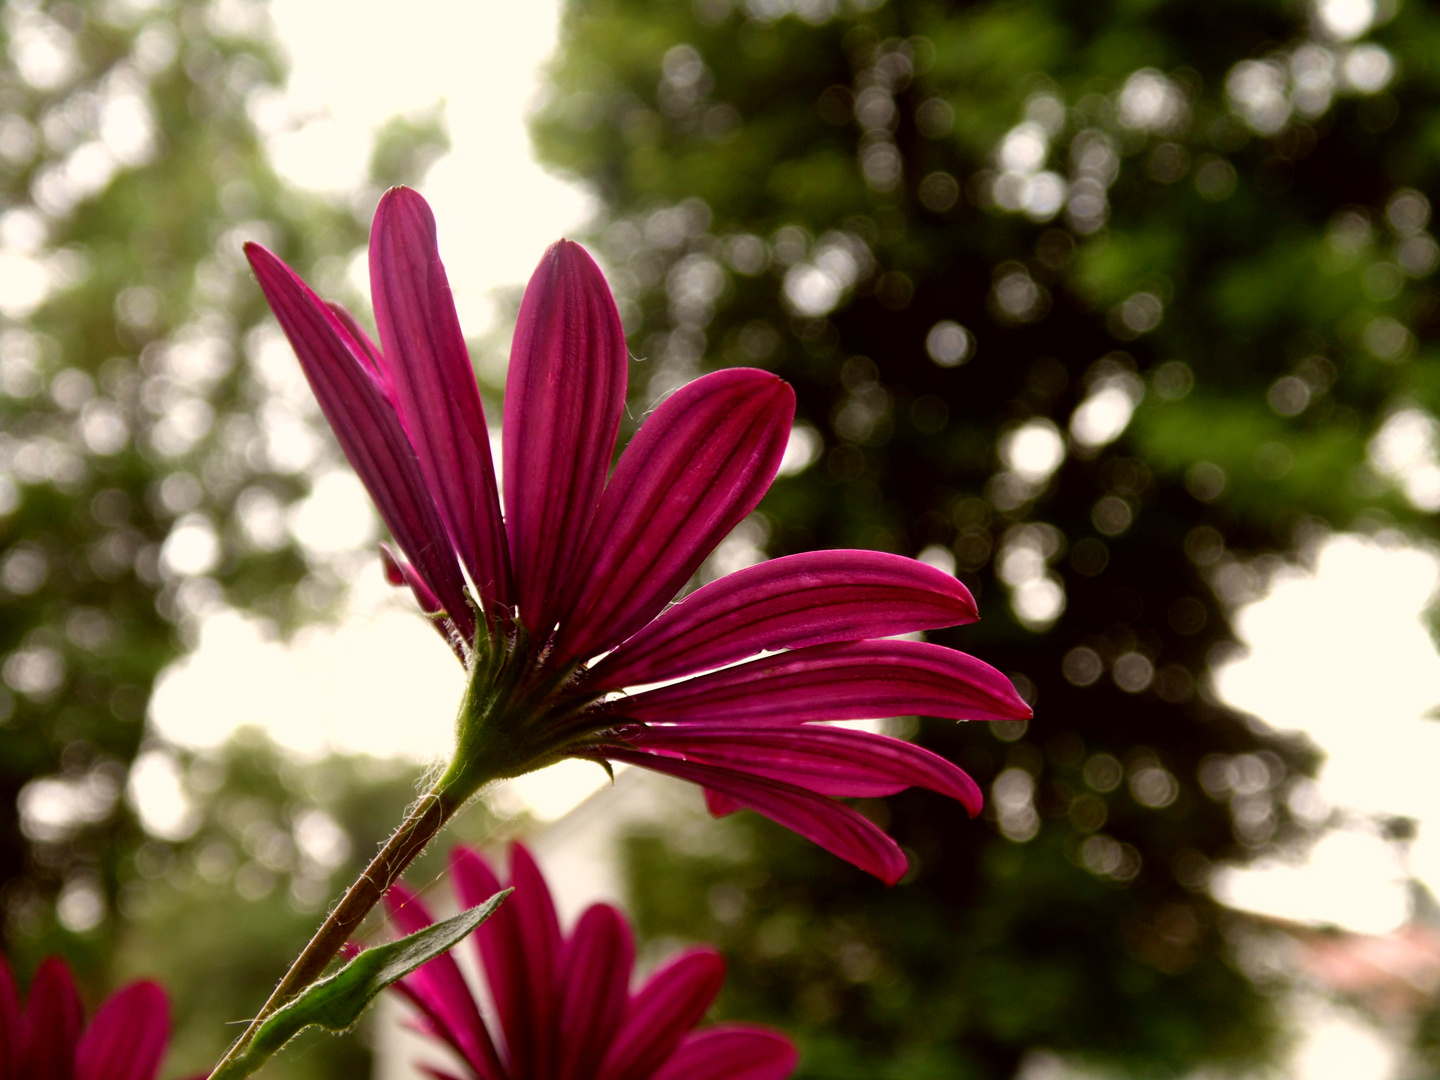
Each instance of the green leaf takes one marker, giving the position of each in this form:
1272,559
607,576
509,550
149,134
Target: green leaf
337,1002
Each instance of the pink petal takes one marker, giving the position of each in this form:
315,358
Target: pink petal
520,947
798,600
563,398
398,572
53,1019
832,825
694,469
732,1053
441,992
127,1038
368,350
720,805
434,385
598,960
12,1026
839,762
369,431
854,680
425,1022
670,1003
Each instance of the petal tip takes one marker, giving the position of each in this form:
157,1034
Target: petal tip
401,199
892,873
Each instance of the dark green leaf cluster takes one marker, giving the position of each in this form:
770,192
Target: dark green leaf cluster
1111,307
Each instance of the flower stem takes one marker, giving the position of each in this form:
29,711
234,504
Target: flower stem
417,830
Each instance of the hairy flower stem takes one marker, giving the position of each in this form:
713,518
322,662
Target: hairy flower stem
505,688
485,751
407,842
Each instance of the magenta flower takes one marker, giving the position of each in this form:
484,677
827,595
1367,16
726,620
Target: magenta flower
557,607
48,1039
564,1004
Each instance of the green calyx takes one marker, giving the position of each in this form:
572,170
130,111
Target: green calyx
520,712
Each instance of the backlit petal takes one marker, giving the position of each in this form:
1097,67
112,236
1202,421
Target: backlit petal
596,984
53,1019
809,599
853,680
440,990
367,427
398,572
520,948
670,1003
126,1040
367,350
839,762
697,466
434,385
732,1053
563,398
832,825
720,805
12,1028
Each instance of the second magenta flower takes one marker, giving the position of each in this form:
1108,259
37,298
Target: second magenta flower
562,1003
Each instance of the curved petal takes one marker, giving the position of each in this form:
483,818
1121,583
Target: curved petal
732,1052
854,680
787,603
563,399
520,948
670,1003
53,1019
440,991
428,1022
368,429
832,825
367,350
839,762
720,805
429,371
398,572
597,965
12,1025
694,469
127,1038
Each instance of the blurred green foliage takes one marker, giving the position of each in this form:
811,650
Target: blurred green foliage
271,842
268,844
153,435
1111,307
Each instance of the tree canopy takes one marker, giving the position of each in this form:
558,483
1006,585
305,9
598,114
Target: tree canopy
1110,308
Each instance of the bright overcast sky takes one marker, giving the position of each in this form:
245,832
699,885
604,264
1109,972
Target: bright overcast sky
381,682
496,209
1338,653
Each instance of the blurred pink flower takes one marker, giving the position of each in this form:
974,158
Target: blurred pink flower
563,1002
48,1039
564,607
